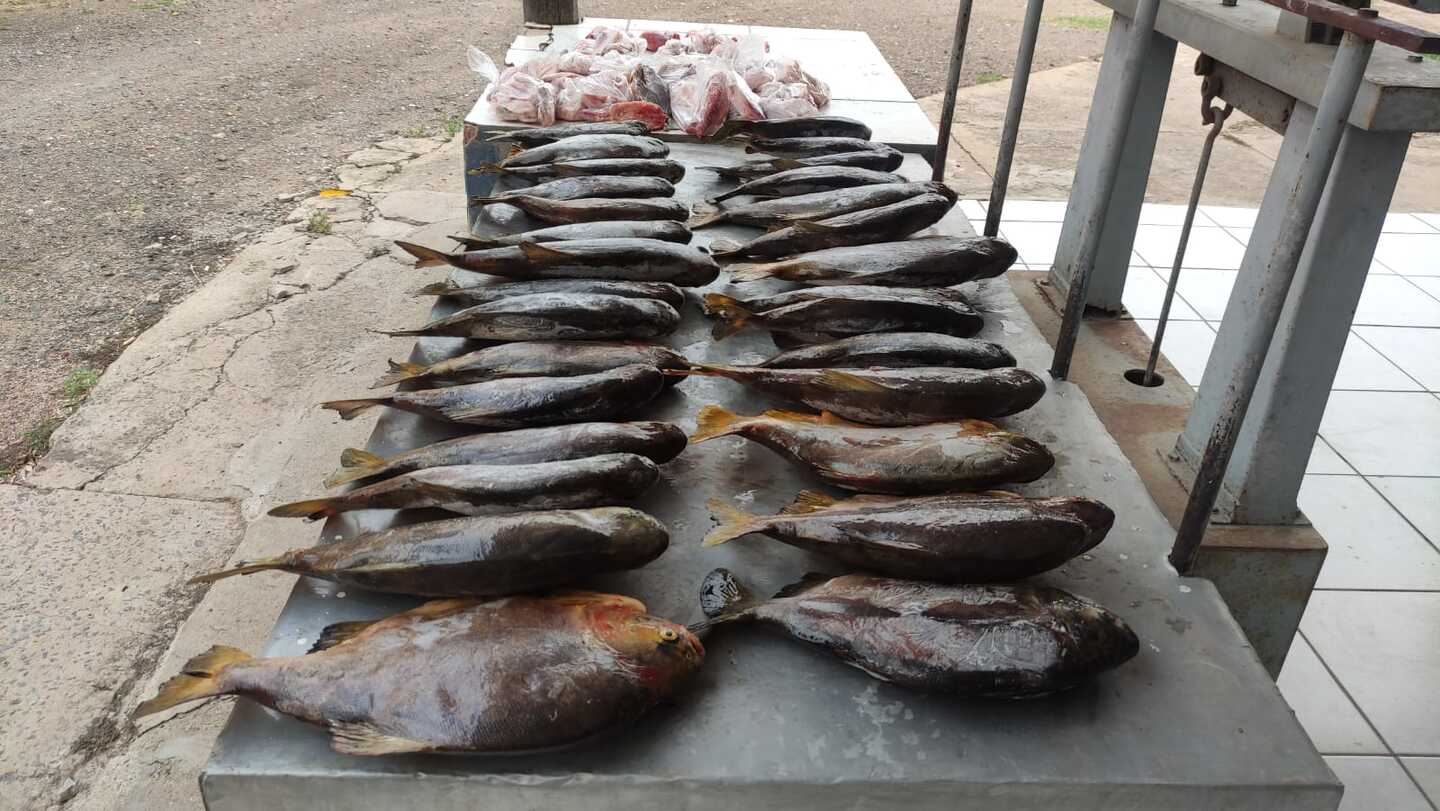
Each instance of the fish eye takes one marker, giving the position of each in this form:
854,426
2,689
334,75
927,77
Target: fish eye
668,635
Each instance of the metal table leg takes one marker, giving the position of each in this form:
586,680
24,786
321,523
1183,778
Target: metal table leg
1019,84
952,87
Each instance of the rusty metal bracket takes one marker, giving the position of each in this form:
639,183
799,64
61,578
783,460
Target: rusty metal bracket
1368,26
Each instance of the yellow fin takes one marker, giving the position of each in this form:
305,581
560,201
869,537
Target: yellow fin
731,523
538,252
356,464
196,680
808,501
732,314
364,738
243,567
845,381
793,416
826,418
350,409
312,509
715,421
399,373
338,632
425,257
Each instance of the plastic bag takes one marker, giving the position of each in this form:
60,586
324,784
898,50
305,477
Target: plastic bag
483,65
700,102
781,100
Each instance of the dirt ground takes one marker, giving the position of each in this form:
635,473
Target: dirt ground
144,141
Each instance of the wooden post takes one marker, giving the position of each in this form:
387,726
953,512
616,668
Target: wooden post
552,12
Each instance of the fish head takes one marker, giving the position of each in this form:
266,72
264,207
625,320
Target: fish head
943,190
660,651
1095,515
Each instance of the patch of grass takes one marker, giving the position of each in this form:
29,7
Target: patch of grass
989,76
172,7
319,222
1086,22
77,386
418,131
452,125
1432,57
37,439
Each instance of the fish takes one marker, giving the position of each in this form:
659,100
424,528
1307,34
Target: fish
984,641
829,318
808,180
519,674
913,396
524,402
657,441
592,481
940,457
783,211
671,170
651,87
881,159
590,209
878,224
556,316
576,188
619,259
477,556
485,293
539,136
762,303
820,126
666,230
933,261
536,359
651,114
808,147
895,350
589,147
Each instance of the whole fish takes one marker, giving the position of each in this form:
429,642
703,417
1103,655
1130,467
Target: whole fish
536,359
490,489
914,396
936,261
940,457
667,230
479,556
819,126
808,180
524,402
895,350
636,260
539,136
590,209
881,159
830,318
651,87
484,293
589,147
808,147
955,538
856,228
657,441
991,641
818,206
557,316
576,188
520,674
859,291
671,170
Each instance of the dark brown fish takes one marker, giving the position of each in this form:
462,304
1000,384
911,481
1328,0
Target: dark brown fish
536,359
818,126
831,318
991,641
881,159
590,209
485,293
912,396
860,291
668,230
925,262
525,402
557,317
940,457
539,136
478,556
896,350
589,147
856,228
639,260
782,211
575,188
518,674
808,147
808,180
671,170
657,441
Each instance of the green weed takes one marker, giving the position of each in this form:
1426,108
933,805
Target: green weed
319,222
452,125
1087,22
37,439
986,77
418,131
172,7
1432,57
78,385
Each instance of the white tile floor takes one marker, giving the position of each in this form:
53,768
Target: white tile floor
1364,674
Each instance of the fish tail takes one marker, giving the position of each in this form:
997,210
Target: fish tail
732,314
400,372
490,169
349,409
244,567
356,464
475,243
198,679
723,598
715,421
735,192
751,271
725,247
731,523
706,213
313,509
444,288
425,257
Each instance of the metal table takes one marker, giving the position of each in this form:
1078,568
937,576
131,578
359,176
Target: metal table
1193,722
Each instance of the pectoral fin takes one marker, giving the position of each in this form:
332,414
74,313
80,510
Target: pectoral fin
536,252
844,381
339,632
364,738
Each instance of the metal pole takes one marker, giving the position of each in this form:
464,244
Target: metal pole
952,86
1346,74
1019,84
1141,32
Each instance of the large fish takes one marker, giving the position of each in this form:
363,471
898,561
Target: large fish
557,317
591,209
671,170
895,350
939,457
575,188
536,359
668,230
539,136
914,396
490,489
808,180
763,303
519,674
819,126
818,206
479,556
956,538
657,441
880,159
937,261
589,147
808,147
992,641
826,319
856,228
525,402
485,293
621,259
